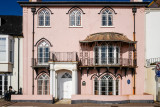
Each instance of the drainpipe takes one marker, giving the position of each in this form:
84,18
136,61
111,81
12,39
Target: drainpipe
33,10
134,10
18,64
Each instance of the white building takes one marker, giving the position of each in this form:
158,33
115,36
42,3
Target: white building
152,82
11,45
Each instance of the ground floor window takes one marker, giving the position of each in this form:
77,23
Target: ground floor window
106,86
43,85
3,84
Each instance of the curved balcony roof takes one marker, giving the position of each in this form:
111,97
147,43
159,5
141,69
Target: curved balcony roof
107,36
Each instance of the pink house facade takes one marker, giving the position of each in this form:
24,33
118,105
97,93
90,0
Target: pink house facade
83,51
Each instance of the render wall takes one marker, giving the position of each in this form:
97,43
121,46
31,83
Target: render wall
66,39
152,33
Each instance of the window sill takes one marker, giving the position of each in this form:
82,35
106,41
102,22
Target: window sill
107,27
43,26
75,27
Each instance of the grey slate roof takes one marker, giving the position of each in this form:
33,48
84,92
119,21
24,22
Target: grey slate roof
11,25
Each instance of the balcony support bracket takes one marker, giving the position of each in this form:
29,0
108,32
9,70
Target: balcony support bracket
107,69
116,70
133,70
87,71
98,70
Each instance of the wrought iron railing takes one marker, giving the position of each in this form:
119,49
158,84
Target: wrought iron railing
109,61
152,61
64,56
57,57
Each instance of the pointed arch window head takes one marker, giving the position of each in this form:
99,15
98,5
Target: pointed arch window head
106,85
107,18
75,18
44,18
43,52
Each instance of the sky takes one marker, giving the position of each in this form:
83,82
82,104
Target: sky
11,7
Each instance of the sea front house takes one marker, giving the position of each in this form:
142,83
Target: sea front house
84,51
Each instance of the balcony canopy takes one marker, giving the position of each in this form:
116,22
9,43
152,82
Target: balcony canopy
107,36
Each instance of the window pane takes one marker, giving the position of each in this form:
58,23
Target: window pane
103,55
117,55
72,19
41,18
110,55
96,55
2,49
96,87
78,19
47,19
103,87
110,20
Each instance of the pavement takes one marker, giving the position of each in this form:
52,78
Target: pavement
67,103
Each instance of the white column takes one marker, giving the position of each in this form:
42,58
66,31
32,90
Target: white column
54,84
74,82
51,82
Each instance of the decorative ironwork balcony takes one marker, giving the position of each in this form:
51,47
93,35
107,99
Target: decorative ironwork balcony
56,57
89,62
64,56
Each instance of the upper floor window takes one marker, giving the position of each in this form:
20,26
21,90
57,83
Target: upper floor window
106,55
75,18
6,49
43,53
3,49
107,18
44,18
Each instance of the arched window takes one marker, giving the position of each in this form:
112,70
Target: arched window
43,85
43,53
75,18
44,18
107,18
106,86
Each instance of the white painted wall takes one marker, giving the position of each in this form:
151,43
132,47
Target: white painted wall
14,75
152,33
152,48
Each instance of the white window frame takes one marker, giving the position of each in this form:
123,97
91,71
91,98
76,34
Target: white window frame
106,15
75,18
107,53
44,11
8,38
43,85
3,80
43,46
113,82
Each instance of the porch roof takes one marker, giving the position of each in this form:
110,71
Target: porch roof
107,36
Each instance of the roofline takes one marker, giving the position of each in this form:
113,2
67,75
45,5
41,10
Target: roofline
83,3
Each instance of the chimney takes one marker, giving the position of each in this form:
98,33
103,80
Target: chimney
35,0
136,0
